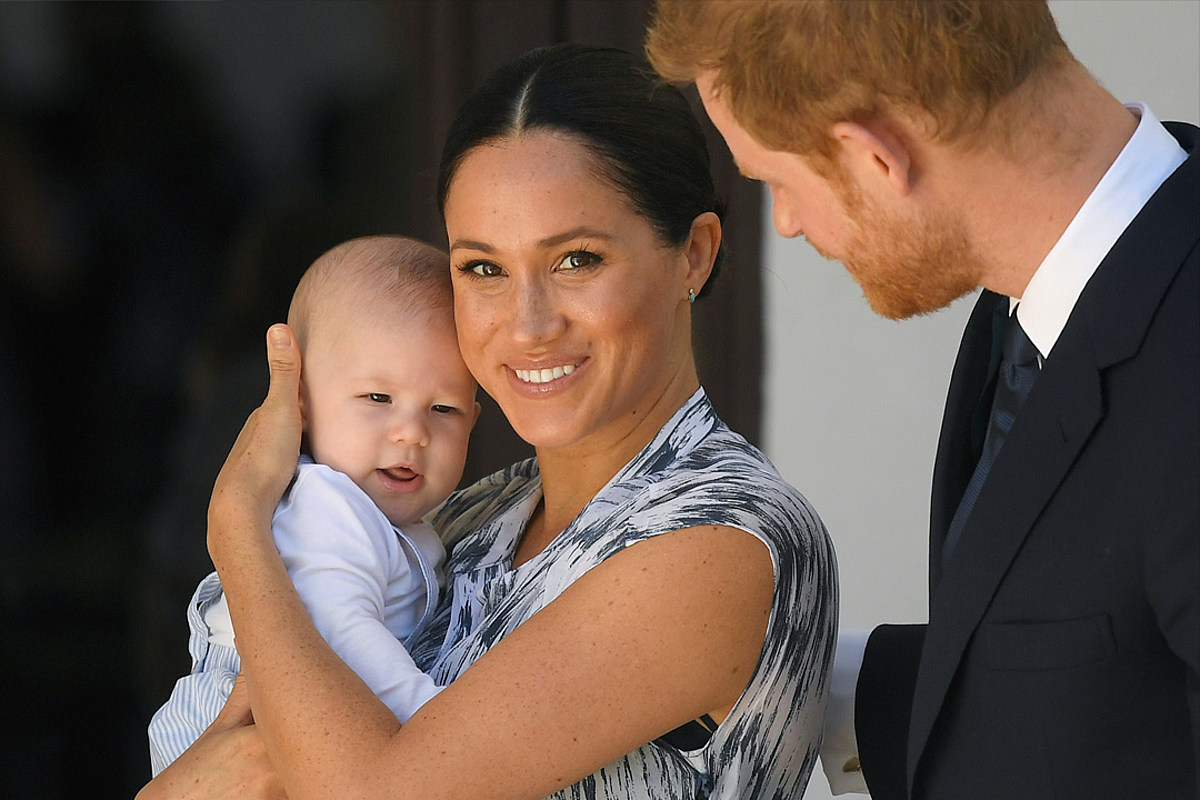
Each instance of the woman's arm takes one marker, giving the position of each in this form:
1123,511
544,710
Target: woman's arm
227,761
655,636
667,630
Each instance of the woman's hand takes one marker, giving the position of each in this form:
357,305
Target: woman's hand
227,762
263,458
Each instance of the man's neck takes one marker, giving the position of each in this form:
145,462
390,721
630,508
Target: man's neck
1017,204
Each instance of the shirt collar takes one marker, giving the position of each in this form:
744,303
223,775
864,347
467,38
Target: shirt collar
1146,161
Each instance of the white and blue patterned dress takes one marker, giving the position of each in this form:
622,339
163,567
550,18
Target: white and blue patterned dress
695,472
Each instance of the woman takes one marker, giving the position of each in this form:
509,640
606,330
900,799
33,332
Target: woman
644,610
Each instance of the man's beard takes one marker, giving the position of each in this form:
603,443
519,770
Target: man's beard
906,268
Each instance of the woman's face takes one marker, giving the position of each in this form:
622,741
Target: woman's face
571,312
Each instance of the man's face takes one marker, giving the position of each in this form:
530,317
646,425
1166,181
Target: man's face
908,260
805,203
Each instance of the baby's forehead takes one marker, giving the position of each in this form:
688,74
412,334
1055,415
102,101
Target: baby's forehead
350,315
394,293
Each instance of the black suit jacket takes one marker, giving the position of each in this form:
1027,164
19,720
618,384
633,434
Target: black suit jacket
1062,654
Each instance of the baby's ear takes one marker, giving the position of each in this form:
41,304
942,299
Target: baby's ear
476,417
303,405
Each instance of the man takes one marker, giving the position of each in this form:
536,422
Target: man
935,147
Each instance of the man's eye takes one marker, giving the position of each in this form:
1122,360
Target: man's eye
379,397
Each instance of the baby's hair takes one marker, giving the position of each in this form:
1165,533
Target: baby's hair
376,275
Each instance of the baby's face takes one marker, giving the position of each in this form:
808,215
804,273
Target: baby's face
391,405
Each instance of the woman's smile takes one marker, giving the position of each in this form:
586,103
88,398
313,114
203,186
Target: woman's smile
545,374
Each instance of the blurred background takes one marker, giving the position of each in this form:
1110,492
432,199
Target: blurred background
167,170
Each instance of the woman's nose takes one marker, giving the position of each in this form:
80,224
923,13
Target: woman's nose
535,314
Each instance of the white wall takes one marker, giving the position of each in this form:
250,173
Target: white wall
854,402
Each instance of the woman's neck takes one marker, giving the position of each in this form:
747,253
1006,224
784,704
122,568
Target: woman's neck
573,475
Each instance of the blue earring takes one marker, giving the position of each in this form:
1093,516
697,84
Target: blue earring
691,295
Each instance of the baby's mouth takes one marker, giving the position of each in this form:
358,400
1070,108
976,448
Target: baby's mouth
401,474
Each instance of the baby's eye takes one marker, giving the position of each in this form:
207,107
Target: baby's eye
439,408
579,259
379,397
484,269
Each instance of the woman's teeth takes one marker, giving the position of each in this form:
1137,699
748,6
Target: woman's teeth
544,375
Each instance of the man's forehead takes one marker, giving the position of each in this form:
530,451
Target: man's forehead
739,141
716,106
706,83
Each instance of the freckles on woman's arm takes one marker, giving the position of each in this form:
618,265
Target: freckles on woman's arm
633,649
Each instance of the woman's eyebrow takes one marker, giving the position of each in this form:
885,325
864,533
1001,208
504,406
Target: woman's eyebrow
470,244
582,232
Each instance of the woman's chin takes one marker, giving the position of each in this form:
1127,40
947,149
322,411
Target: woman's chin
543,434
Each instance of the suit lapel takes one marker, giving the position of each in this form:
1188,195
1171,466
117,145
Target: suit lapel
1063,409
1066,404
968,401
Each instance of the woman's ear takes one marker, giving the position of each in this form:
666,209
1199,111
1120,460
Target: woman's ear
875,151
701,249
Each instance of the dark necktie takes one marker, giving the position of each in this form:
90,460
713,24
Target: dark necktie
1018,370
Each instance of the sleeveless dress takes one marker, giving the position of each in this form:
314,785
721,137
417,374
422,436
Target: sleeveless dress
695,472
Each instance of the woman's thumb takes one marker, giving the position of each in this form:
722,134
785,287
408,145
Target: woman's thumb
283,359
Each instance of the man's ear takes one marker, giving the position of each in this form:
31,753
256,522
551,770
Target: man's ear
875,151
700,250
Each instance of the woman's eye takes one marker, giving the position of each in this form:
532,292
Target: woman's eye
579,259
484,269
379,397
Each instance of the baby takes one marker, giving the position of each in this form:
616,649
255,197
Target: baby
388,406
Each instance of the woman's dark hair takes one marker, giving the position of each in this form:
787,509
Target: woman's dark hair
641,131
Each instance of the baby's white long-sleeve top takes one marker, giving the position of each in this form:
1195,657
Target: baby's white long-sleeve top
367,585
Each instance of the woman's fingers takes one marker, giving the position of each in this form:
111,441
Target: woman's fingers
236,712
279,426
283,359
221,764
281,429
229,760
263,458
